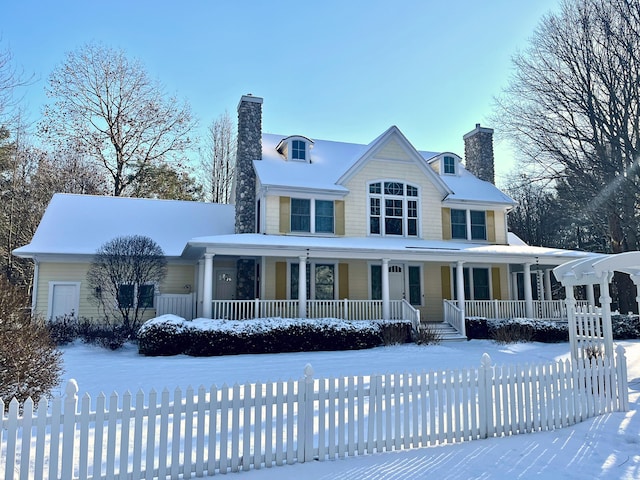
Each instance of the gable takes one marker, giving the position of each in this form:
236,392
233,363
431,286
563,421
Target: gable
392,147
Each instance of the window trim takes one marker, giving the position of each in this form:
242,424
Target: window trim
468,225
383,197
312,216
136,290
469,268
311,279
453,165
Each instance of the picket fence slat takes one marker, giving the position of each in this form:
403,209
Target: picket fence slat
251,426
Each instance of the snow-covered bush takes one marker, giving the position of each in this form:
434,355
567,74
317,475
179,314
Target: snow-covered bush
625,327
171,335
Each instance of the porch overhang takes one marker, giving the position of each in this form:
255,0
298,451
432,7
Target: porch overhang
372,248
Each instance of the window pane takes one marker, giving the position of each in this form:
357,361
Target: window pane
393,188
295,269
393,208
125,296
374,225
145,296
324,216
375,206
300,215
393,226
324,282
375,188
412,191
478,225
481,284
458,223
376,282
414,286
449,165
412,227
298,150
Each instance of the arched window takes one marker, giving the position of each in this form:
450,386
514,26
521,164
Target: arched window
393,209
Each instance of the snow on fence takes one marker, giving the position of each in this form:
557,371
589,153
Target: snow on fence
251,426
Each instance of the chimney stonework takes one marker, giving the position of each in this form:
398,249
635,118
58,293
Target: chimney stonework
478,153
249,149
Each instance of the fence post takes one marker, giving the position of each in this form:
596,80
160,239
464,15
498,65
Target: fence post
256,308
485,395
307,433
623,388
345,312
69,427
496,313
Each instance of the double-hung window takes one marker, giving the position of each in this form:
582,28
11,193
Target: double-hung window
393,209
320,281
312,216
130,295
476,284
468,224
300,215
298,150
449,165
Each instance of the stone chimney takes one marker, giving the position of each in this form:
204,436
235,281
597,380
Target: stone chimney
249,149
478,153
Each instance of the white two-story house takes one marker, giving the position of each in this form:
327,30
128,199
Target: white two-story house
319,228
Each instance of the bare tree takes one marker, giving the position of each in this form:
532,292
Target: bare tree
11,78
108,108
218,159
123,277
573,110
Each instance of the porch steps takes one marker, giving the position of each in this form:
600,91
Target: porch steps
446,332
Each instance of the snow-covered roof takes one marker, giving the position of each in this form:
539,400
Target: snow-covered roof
331,160
381,247
80,224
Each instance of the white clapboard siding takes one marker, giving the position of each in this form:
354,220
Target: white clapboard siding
240,427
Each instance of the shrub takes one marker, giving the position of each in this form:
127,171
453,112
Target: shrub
170,335
394,333
511,332
66,329
428,335
30,365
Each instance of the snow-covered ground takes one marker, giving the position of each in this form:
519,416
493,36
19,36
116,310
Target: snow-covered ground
604,447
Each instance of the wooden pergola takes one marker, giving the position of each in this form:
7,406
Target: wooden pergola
590,330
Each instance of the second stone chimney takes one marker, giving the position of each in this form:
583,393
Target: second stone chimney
249,149
478,153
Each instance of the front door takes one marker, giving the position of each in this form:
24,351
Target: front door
396,282
225,283
64,300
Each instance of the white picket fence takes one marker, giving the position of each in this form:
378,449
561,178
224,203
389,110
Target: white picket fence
251,426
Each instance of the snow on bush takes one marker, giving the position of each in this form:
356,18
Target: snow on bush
172,335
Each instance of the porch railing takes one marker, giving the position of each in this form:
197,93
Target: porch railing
454,317
503,309
345,309
177,304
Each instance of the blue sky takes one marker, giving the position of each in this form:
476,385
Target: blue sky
337,70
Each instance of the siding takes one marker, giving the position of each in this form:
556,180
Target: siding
178,276
356,206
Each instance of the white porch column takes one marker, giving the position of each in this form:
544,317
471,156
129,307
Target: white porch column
386,307
460,287
207,293
200,287
302,286
528,294
591,296
547,285
514,285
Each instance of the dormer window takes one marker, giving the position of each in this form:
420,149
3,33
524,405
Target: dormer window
449,165
298,150
295,148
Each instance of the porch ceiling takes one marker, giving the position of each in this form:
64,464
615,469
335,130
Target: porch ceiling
370,248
